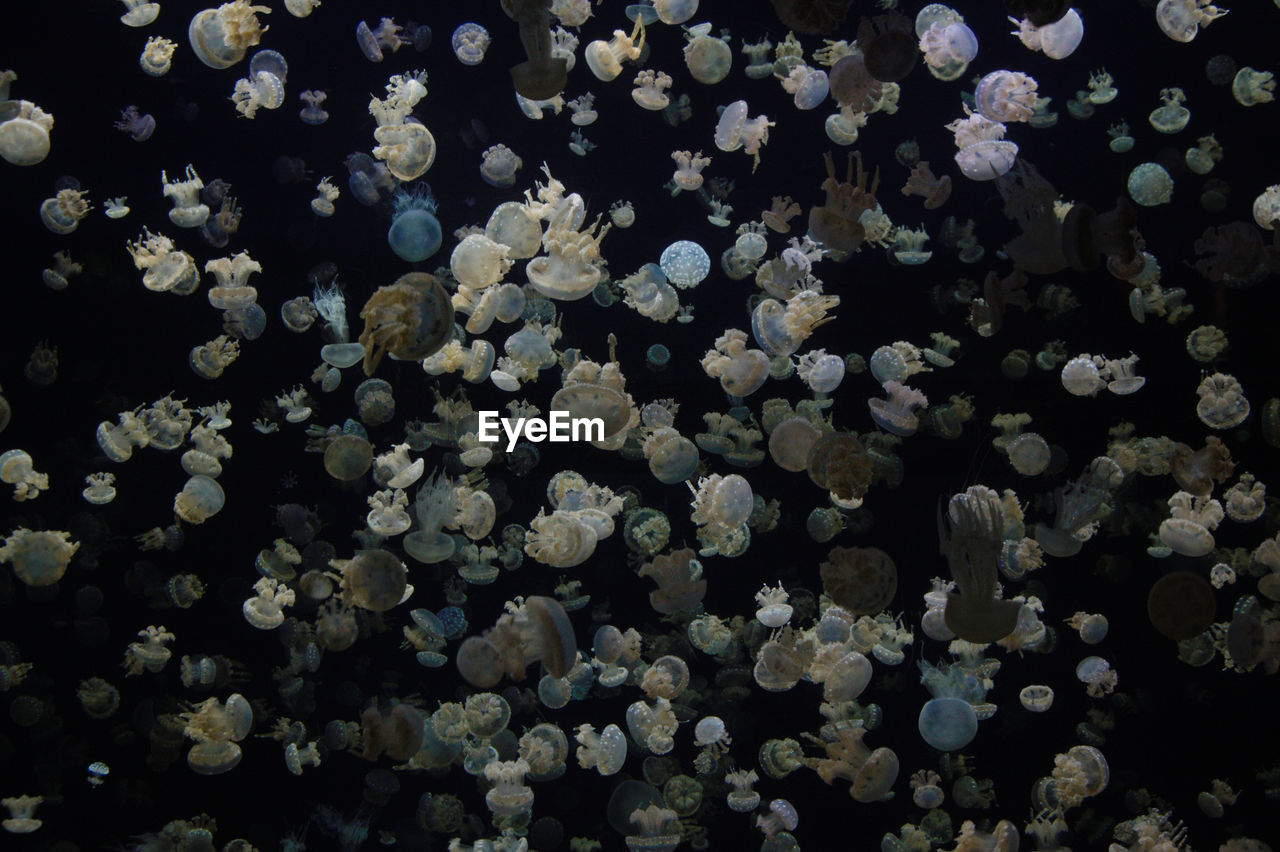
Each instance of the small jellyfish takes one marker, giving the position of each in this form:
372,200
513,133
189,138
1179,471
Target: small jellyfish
139,127
313,113
470,41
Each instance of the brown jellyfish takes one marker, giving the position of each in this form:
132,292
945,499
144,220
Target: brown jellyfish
1180,605
372,579
852,85
862,580
541,76
348,457
888,44
409,319
934,190
812,17
835,224
538,630
1246,640
840,463
972,544
397,733
1086,234
679,588
1195,471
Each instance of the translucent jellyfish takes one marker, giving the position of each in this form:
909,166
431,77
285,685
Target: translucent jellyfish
373,42
896,414
469,42
200,499
735,130
861,580
1081,376
948,47
62,213
871,773
570,269
415,232
672,457
1222,402
1006,96
24,128
807,86
139,13
38,558
1079,507
1266,209
326,194
984,153
1250,87
221,36
157,56
1181,20
605,58
264,87
313,113
372,579
947,721
139,127
1058,40
823,373
536,630
1150,185
189,211
499,166
407,146
1029,454
685,263
741,371
934,190
708,58
1171,116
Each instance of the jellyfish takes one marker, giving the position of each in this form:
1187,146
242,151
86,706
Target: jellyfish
948,721
138,126
888,45
221,36
264,87
1058,40
708,58
861,580
1006,96
984,153
543,73
372,42
1150,185
605,58
970,538
808,86
415,232
1181,20
948,46
469,42
409,319
499,166
38,558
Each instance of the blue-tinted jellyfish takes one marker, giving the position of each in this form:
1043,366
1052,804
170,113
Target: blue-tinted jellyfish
657,357
415,232
948,721
685,263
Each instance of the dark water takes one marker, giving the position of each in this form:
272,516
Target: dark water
1176,727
